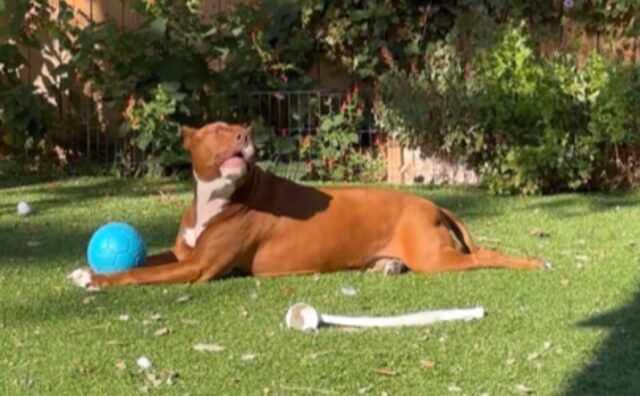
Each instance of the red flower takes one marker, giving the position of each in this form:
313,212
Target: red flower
130,104
306,141
378,141
330,162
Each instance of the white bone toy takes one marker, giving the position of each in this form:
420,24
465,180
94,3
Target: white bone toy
304,317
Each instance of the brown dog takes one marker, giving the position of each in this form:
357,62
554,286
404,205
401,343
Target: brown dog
249,220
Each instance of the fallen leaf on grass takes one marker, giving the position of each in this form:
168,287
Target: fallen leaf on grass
121,365
154,380
162,331
88,299
183,299
305,389
510,360
488,240
247,357
582,257
208,348
565,282
539,233
387,372
83,366
523,388
156,317
165,196
315,355
123,318
349,291
171,378
428,364
533,356
190,322
454,388
243,311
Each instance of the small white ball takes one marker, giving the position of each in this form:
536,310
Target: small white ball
23,208
144,362
302,317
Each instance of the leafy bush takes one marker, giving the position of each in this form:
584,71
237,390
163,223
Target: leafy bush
23,113
273,149
332,153
527,124
427,109
154,130
511,118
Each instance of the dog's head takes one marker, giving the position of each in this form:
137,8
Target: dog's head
219,150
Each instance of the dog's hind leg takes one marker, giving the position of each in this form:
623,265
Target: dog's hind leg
439,242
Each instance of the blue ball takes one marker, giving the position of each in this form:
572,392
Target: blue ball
116,247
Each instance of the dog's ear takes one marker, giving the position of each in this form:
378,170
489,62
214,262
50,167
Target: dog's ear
186,132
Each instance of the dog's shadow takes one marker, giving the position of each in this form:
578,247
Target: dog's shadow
289,199
614,370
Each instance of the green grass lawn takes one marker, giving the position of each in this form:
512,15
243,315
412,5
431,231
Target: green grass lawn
573,330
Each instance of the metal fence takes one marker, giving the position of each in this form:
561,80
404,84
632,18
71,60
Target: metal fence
287,113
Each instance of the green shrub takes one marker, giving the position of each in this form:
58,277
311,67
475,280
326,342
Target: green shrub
23,111
525,123
331,152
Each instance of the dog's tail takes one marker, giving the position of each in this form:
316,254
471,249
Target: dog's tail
459,231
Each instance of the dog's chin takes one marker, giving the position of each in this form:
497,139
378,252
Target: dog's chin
234,168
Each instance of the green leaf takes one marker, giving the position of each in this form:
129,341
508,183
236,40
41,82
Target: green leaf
213,30
285,146
326,124
124,129
237,31
156,29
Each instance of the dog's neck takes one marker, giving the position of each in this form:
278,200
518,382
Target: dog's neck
210,198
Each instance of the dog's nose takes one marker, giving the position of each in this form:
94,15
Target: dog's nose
242,138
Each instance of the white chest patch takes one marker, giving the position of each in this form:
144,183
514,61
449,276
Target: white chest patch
211,198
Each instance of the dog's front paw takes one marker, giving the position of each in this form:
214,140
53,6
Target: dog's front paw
394,267
82,277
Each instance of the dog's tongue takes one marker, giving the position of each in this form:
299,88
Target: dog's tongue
233,162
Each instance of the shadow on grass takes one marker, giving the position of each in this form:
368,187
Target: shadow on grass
57,243
615,369
70,192
467,202
573,205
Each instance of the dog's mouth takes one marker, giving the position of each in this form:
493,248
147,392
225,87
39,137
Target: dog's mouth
236,159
